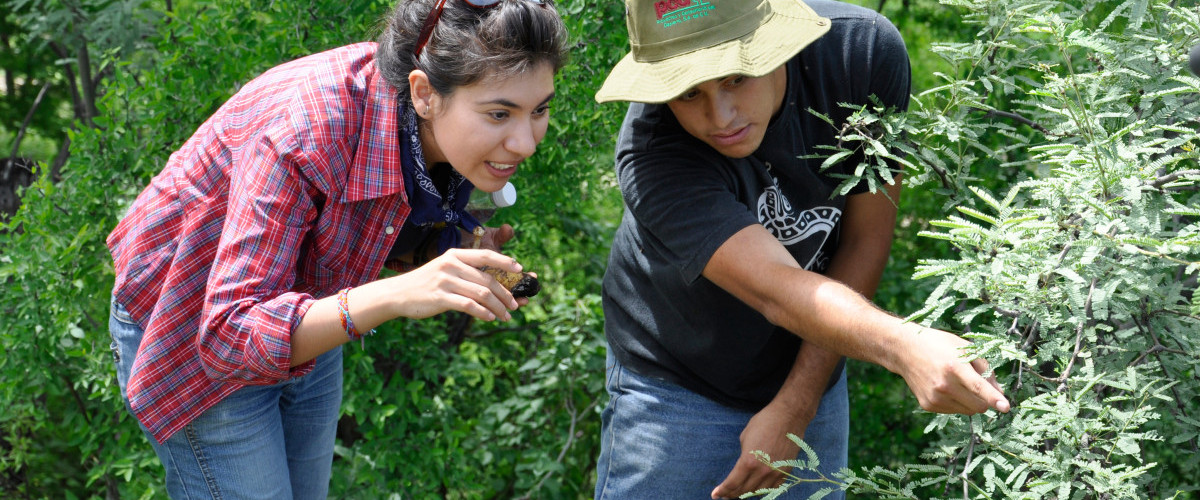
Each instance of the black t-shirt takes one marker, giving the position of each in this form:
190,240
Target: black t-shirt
684,200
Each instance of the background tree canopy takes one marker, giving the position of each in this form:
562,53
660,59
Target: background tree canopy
1051,206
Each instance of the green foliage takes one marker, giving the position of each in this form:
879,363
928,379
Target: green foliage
61,49
33,146
442,408
1075,273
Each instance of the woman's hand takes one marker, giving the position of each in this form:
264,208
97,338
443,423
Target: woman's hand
451,282
454,282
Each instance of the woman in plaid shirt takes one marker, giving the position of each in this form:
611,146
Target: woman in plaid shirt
256,252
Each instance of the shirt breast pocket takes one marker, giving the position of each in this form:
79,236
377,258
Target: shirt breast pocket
324,256
316,273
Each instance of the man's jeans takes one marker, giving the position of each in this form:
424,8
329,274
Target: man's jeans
273,441
660,440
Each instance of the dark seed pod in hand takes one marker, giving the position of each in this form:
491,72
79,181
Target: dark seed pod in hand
528,286
520,284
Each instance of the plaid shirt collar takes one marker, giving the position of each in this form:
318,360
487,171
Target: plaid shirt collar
377,160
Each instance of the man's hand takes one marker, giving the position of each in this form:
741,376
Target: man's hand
767,432
933,366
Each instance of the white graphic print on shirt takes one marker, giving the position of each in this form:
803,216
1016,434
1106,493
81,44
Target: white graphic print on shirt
776,214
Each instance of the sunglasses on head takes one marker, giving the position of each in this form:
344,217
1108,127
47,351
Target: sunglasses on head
434,15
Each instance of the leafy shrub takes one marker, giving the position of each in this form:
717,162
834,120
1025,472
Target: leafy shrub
445,408
1075,273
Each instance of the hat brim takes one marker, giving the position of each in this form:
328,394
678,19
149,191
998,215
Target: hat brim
792,26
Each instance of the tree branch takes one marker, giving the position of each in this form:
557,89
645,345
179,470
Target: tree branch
970,452
60,159
1087,310
1017,118
37,101
72,82
562,452
85,78
1143,323
1172,177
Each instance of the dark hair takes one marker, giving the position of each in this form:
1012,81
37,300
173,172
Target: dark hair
470,43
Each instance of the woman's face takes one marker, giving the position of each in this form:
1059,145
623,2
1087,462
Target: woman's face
731,114
487,129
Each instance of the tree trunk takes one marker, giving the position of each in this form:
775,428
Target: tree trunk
60,159
37,101
15,173
85,80
72,82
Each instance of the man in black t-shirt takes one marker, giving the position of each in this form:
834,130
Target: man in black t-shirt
739,277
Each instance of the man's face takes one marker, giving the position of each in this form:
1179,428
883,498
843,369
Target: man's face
731,114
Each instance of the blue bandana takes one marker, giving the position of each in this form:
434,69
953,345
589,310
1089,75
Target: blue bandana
430,210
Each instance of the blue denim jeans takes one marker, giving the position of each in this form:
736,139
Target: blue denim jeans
273,441
660,440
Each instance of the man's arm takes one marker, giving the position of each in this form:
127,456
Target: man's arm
866,238
865,243
754,267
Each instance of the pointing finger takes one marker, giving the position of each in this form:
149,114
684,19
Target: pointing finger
988,389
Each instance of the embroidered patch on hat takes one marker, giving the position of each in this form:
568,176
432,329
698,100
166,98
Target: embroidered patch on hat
672,12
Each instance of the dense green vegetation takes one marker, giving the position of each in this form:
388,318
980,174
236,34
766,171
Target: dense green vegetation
1057,152
1077,285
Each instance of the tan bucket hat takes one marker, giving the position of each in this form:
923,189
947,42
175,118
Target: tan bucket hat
678,44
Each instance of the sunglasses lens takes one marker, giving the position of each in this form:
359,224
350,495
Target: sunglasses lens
435,14
489,3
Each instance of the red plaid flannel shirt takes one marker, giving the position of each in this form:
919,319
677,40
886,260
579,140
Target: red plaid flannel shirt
290,192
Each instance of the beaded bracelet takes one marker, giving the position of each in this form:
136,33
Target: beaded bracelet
343,303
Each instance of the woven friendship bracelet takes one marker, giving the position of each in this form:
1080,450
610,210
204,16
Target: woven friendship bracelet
343,304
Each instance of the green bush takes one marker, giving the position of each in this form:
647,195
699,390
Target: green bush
446,408
1063,147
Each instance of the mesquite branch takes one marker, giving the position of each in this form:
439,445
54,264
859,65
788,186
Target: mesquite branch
569,403
1144,324
1172,177
1078,349
1017,118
